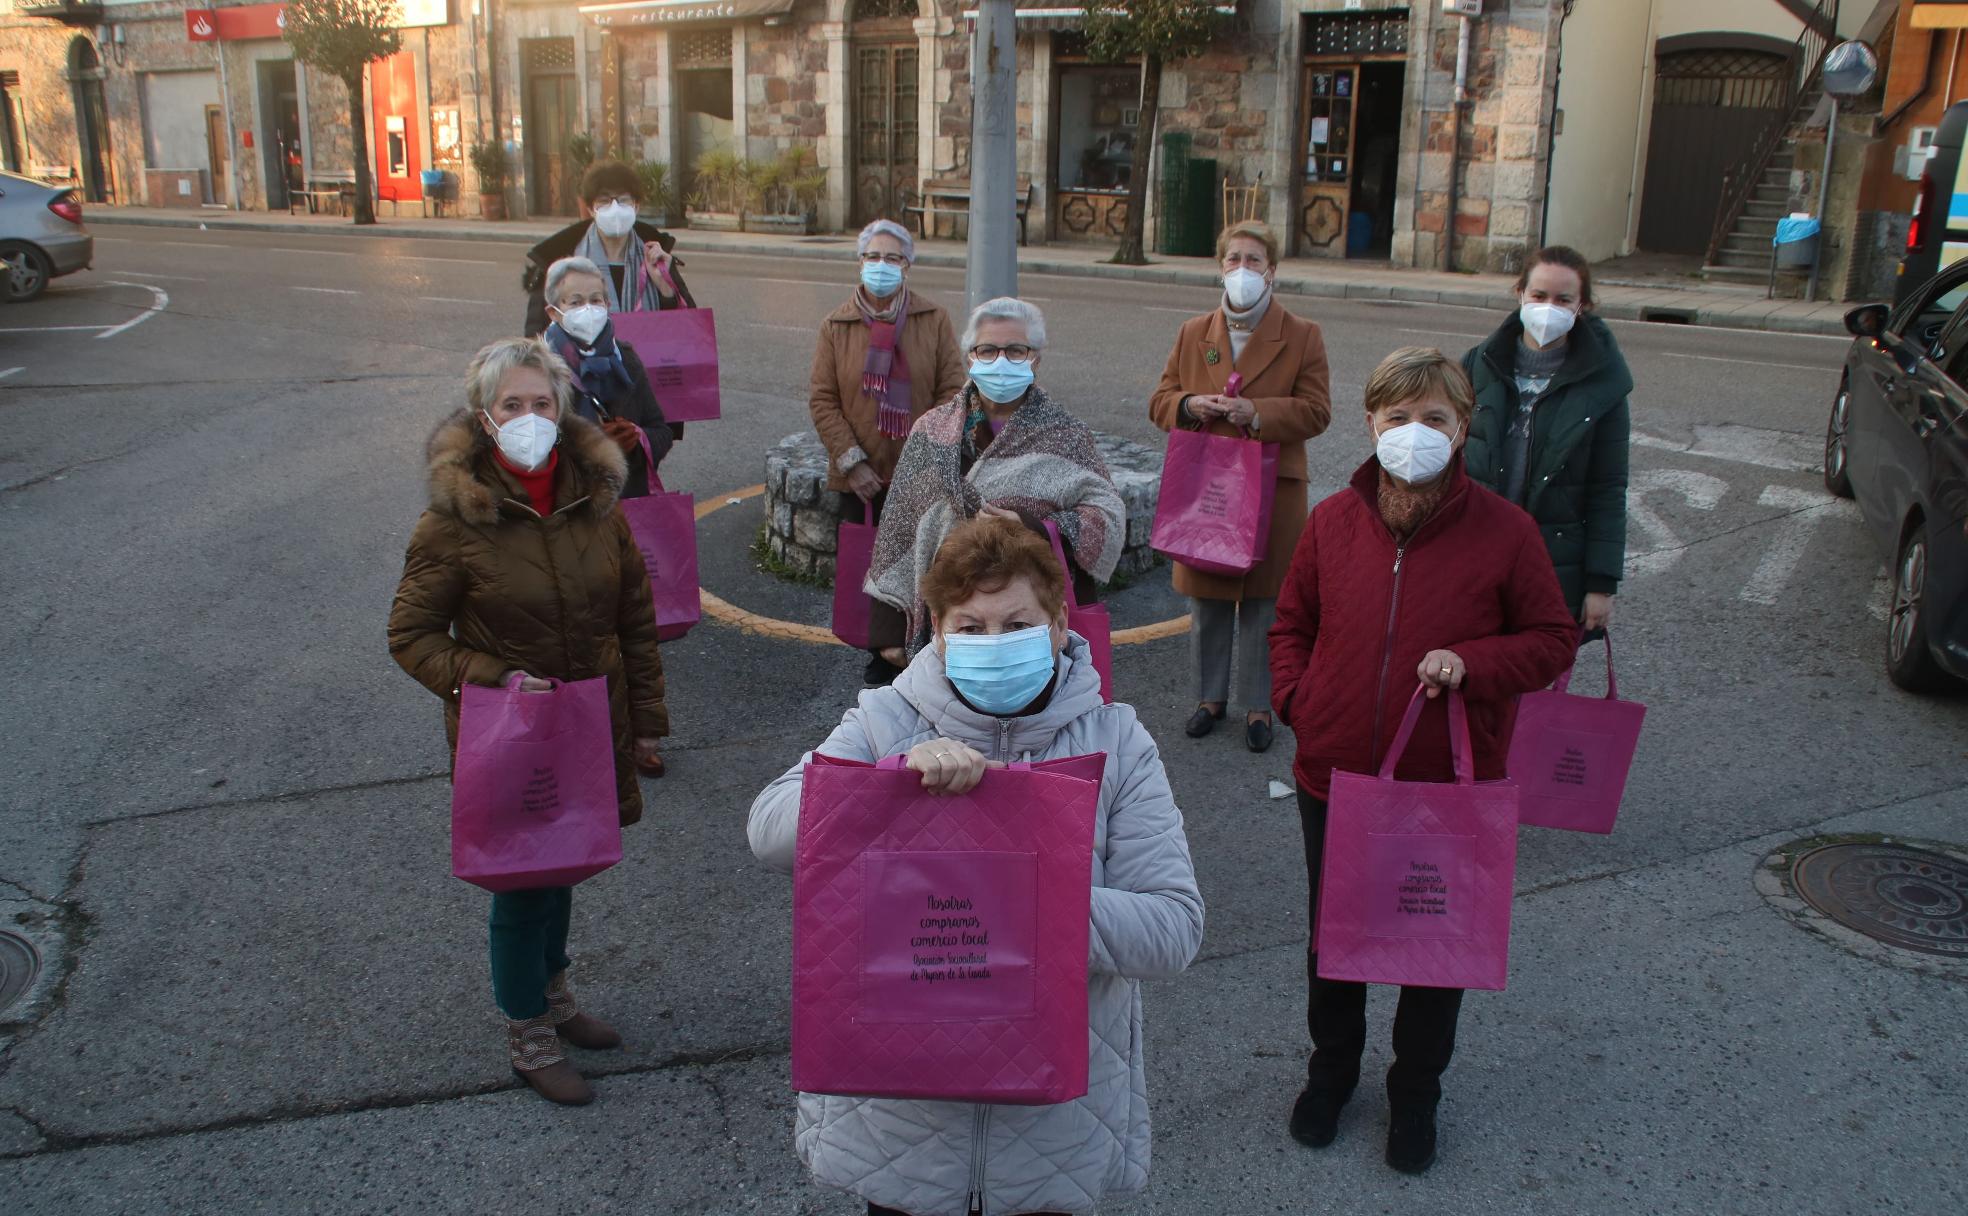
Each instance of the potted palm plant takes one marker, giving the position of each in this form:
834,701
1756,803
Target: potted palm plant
494,170
658,194
785,195
718,201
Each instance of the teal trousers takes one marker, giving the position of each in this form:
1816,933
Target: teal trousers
529,947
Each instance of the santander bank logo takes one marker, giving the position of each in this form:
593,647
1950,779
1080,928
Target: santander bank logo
201,27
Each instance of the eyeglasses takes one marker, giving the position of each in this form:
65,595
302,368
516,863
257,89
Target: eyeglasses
606,199
893,259
1017,354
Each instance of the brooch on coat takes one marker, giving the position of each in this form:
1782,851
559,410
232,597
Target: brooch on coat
1211,357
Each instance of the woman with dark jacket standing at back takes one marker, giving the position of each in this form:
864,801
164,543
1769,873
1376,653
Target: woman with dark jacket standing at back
640,273
1551,427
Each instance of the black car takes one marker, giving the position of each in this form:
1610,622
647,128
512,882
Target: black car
1898,443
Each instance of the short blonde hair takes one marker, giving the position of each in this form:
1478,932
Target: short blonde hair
1414,372
1250,230
496,360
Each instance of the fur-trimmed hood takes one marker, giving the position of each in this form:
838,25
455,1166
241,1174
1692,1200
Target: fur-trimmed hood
467,483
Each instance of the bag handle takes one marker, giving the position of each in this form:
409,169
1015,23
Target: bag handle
1564,681
642,280
649,462
1059,551
513,681
1459,748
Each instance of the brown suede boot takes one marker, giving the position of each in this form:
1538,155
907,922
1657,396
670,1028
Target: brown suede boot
539,1061
576,1027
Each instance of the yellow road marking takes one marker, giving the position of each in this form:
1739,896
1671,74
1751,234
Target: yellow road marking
720,609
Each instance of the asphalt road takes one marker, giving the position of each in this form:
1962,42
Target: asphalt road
223,813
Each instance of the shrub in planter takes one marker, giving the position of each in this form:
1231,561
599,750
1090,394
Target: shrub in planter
494,169
658,196
723,183
785,195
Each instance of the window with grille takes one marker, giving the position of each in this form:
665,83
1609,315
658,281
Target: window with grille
875,10
549,54
1380,33
709,48
1729,79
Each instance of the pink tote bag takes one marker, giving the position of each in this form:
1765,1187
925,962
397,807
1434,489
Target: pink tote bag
940,943
665,529
1214,510
1090,621
854,550
1570,754
1416,885
533,786
679,348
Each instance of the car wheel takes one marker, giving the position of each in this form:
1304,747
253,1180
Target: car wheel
27,271
1837,478
1909,663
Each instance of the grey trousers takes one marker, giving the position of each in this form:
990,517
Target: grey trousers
1213,626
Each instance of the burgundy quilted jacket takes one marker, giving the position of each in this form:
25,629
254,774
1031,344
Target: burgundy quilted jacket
1358,612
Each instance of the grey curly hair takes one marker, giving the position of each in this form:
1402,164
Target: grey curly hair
887,228
1007,308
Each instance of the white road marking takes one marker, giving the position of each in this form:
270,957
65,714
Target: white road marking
53,329
1443,333
457,300
320,253
1700,490
800,282
1187,312
328,291
399,257
147,274
1807,509
159,301
10,371
791,329
1815,371
1750,445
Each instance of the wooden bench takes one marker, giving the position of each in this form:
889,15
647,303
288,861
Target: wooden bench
950,196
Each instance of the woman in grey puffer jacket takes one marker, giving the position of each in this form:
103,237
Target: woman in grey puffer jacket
996,588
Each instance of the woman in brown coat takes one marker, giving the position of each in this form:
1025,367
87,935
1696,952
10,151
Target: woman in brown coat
885,357
1284,398
522,567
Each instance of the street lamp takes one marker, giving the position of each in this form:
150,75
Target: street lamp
1849,69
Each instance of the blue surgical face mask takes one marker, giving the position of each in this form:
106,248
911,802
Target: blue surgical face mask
1001,380
880,278
1000,673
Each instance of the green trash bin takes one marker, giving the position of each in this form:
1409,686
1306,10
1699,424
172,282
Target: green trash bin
1188,212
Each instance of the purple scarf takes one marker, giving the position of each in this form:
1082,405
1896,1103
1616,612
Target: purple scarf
885,374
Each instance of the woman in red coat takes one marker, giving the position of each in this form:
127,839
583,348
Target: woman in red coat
1414,572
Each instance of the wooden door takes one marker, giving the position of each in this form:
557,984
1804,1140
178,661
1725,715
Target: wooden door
217,149
885,84
1709,106
394,142
1326,170
553,114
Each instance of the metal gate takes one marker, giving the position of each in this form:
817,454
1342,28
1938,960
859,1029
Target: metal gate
1709,107
884,131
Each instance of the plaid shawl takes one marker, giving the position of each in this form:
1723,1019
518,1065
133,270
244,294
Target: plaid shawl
1043,464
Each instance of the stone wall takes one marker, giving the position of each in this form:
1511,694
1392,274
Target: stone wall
785,74
802,519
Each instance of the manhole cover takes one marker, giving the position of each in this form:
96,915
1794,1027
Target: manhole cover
20,962
1905,897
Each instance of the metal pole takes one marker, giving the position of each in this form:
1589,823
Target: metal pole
993,261
1824,190
232,136
1455,144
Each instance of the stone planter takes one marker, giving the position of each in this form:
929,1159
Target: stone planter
717,221
783,225
802,519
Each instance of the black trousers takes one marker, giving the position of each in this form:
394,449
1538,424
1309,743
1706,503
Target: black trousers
1336,1010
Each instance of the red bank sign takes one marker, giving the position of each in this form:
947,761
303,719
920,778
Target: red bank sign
236,24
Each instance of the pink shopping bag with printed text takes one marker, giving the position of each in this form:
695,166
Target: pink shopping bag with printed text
1570,754
665,529
1090,621
679,348
1214,510
940,942
1416,884
533,786
854,551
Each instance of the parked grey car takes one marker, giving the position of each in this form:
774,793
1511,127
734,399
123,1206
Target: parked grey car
41,236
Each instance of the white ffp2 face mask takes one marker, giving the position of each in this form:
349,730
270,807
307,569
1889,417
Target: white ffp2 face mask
527,440
615,219
584,322
1414,452
1546,323
1244,288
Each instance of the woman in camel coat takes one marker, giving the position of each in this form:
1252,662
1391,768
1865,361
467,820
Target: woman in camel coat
1284,398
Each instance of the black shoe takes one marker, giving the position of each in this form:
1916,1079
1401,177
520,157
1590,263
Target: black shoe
879,673
1315,1116
1203,721
1257,734
1411,1138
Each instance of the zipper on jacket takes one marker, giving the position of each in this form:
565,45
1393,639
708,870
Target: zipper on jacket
1386,655
1003,750
979,1121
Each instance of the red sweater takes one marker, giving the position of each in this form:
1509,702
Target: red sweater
1358,612
539,484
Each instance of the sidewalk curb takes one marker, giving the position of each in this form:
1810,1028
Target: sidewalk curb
1691,313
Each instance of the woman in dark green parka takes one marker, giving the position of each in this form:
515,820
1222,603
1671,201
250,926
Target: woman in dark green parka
1551,426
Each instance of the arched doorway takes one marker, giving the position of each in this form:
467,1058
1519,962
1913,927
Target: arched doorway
1713,95
85,76
885,91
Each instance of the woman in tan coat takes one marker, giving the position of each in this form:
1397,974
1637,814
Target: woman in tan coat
521,567
1284,398
885,357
